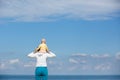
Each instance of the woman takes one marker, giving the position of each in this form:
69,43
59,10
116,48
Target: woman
41,72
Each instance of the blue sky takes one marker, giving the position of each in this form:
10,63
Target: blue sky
86,40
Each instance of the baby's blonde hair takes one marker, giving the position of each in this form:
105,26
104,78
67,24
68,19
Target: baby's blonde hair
43,40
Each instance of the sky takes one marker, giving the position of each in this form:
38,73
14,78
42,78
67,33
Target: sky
84,35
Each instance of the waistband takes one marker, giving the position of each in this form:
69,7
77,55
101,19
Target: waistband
41,67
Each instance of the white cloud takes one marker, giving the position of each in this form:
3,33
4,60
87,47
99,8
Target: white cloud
51,62
2,66
118,56
77,60
83,61
80,54
73,61
47,10
6,65
102,67
100,55
72,68
14,61
29,64
86,67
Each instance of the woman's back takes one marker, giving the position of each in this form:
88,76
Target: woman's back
41,58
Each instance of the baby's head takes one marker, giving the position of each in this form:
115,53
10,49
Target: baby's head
43,41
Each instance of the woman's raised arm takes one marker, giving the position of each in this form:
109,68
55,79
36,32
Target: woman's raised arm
32,54
50,54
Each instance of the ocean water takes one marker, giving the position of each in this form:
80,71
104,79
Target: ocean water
61,77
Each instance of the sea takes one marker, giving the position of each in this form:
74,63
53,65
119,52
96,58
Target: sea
62,77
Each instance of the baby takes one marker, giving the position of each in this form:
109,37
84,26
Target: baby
42,48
